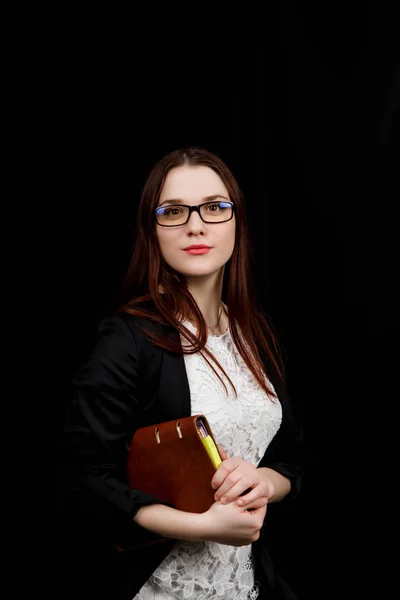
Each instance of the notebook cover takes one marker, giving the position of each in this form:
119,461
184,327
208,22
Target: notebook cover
177,470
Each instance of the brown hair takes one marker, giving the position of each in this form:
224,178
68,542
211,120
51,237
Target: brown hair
150,281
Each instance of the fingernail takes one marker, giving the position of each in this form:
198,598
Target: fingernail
224,499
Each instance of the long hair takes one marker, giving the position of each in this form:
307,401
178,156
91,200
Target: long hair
152,289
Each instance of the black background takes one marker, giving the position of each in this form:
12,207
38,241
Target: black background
303,105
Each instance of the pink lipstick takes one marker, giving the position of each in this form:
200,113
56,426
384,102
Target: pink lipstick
197,249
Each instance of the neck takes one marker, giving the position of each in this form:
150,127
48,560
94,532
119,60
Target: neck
207,292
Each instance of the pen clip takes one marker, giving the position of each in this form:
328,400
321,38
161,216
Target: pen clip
201,428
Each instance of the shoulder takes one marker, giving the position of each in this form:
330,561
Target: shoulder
120,324
125,328
119,348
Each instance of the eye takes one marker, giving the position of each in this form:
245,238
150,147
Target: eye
214,207
169,211
173,211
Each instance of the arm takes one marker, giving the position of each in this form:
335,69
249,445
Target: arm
285,455
225,524
251,487
100,420
103,412
278,485
277,476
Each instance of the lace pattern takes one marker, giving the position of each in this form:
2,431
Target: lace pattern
244,426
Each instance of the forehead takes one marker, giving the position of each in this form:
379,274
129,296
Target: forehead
192,184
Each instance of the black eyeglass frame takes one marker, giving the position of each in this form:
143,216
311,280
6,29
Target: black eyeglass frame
196,209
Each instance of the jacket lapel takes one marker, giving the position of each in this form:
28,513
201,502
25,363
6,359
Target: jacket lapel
173,394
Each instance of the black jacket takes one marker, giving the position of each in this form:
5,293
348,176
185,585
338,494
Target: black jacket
127,383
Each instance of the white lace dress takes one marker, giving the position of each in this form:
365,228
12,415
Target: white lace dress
243,426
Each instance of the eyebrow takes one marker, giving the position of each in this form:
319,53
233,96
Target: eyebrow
206,199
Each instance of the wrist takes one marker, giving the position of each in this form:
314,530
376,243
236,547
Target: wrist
265,473
172,523
204,527
278,485
200,527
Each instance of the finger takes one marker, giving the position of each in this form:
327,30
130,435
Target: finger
255,502
222,452
223,471
258,513
260,490
231,481
229,493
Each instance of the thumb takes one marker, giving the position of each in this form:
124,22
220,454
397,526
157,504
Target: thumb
222,452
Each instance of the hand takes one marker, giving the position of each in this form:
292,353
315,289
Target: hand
235,477
222,523
222,452
231,524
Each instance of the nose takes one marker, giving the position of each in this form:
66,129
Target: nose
195,225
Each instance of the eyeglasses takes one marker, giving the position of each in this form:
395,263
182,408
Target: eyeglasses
174,215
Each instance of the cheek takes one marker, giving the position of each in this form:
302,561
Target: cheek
168,244
230,238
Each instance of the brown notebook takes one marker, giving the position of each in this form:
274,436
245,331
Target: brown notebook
175,462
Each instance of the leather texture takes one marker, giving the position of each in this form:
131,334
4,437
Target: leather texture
174,469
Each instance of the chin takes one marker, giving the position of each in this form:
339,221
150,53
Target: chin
190,273
196,270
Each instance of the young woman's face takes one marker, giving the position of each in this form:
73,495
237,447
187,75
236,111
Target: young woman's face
193,186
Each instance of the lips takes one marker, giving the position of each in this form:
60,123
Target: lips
197,249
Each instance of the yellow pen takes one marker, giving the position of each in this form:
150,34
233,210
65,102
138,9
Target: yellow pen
208,443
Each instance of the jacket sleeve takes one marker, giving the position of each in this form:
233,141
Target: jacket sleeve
103,412
285,454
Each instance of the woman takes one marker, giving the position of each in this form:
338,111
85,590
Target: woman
188,339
